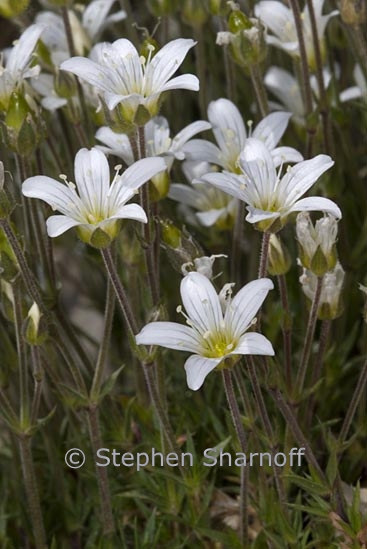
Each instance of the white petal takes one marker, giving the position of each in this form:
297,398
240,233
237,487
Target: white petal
255,215
184,194
301,177
92,177
93,73
56,194
52,103
21,53
116,143
141,171
183,82
59,224
317,203
207,219
350,93
200,150
257,163
226,182
187,133
170,335
165,63
131,211
277,17
201,302
197,368
228,127
271,128
253,343
245,304
95,16
285,155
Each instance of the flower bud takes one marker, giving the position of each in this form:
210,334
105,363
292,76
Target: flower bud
35,330
330,304
353,12
180,246
22,130
162,8
246,39
317,248
159,186
194,12
202,265
7,300
13,8
279,258
218,7
65,84
99,236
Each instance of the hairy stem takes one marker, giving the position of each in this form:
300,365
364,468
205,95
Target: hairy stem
357,395
31,489
101,472
237,422
310,331
287,331
260,91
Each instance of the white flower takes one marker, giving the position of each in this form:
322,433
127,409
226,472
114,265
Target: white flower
97,205
202,265
130,81
157,140
18,64
216,329
321,236
214,206
268,195
286,89
280,20
355,92
332,284
230,133
86,30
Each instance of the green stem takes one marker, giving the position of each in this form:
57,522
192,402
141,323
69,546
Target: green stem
305,73
264,253
31,489
101,472
148,369
317,369
310,331
104,347
27,275
260,91
70,40
22,355
296,430
237,422
287,333
327,134
357,395
38,376
200,69
263,413
147,228
120,292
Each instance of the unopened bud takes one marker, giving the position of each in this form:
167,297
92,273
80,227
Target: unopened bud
162,8
13,8
22,131
353,12
180,246
35,329
65,84
245,39
317,248
194,12
279,258
159,186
